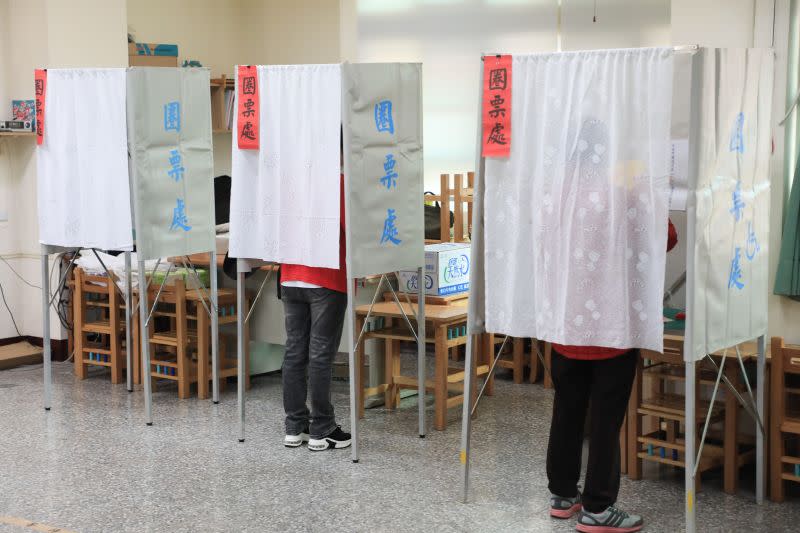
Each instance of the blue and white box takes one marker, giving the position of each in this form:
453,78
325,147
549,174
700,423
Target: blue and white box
446,270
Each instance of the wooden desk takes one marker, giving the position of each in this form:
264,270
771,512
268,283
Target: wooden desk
204,260
440,319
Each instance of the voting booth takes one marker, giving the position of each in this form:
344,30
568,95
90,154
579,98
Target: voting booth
571,200
149,160
292,121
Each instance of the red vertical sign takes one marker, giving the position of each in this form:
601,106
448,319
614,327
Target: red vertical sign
40,90
247,130
496,106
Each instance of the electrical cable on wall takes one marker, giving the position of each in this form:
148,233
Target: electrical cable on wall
3,295
60,307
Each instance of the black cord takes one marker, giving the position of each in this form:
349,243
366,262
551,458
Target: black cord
3,294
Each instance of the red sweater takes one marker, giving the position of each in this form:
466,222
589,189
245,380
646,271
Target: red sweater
334,279
598,353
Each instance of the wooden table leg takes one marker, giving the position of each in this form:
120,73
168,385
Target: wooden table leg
548,358
182,336
203,333
114,342
519,359
79,310
440,379
730,444
534,361
392,368
634,424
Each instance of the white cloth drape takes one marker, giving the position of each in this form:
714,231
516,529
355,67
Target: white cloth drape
82,166
285,196
731,198
576,219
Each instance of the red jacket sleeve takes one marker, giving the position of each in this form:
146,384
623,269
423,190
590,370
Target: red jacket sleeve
672,236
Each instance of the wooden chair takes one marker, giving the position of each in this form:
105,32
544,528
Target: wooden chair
662,441
98,325
228,364
182,352
784,421
171,347
461,199
520,358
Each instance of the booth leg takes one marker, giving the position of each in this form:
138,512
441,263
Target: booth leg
46,355
240,340
145,345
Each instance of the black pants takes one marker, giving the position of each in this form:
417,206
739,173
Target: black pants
314,319
607,385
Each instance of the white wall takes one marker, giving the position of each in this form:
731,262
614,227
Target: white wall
619,24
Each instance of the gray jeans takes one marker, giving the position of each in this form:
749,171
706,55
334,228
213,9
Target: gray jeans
314,319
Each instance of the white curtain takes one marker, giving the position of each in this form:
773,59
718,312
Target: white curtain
285,196
576,218
731,198
83,189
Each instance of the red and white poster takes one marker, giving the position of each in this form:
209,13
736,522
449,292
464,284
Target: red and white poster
40,90
496,104
247,130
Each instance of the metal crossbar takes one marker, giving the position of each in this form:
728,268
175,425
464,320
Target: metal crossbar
258,295
488,376
203,289
200,284
708,414
158,294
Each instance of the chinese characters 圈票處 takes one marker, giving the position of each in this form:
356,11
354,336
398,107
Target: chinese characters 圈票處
172,122
384,122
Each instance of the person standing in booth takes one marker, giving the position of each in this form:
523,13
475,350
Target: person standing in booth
605,377
314,302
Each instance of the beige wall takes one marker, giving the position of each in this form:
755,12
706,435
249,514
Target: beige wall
223,33
280,32
74,33
204,30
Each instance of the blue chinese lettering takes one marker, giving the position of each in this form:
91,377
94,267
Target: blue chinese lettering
390,232
738,203
389,179
383,116
737,136
176,172
735,276
751,247
179,218
172,116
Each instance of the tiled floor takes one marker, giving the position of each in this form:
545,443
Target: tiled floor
91,464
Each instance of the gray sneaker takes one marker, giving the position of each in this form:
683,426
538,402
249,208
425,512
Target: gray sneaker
564,507
612,520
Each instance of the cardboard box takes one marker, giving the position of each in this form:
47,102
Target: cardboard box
446,270
152,55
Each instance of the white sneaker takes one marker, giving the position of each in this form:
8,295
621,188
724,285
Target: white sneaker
333,441
293,441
